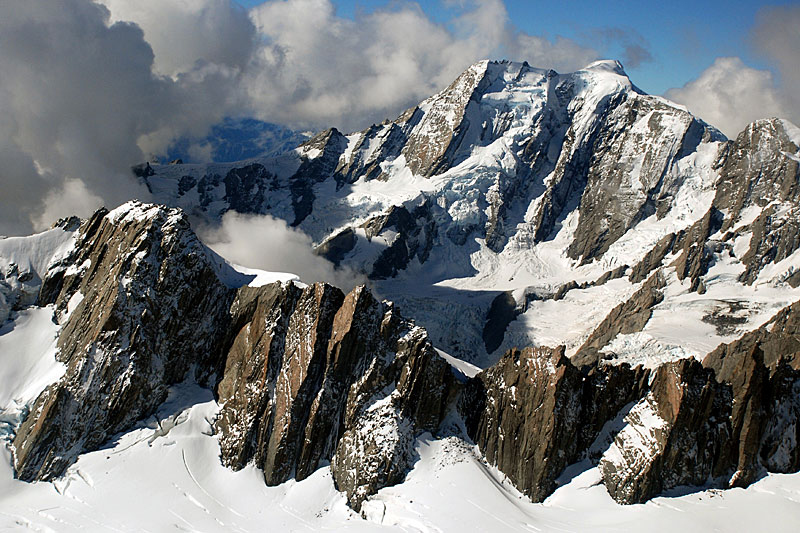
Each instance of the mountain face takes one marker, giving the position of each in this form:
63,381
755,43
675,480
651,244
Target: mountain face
306,376
537,184
625,278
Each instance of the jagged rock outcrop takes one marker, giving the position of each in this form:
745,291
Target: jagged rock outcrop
314,376
534,413
247,188
408,234
723,423
320,158
763,370
305,374
757,170
139,303
335,248
675,436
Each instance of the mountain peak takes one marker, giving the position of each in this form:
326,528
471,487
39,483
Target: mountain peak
607,65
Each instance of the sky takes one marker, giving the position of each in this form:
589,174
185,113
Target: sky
682,37
91,87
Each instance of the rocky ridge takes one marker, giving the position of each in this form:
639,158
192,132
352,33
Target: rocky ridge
307,376
302,374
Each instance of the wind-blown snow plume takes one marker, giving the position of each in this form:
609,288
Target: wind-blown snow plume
267,243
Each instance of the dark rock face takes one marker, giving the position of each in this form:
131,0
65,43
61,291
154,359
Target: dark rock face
139,306
315,376
626,182
276,357
502,312
527,395
247,188
776,235
338,246
329,146
675,436
695,249
756,171
431,147
652,259
414,233
534,413
723,423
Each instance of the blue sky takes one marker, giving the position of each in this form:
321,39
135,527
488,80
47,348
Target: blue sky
682,36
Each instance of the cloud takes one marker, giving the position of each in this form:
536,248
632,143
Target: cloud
82,101
187,34
267,243
729,94
777,38
317,68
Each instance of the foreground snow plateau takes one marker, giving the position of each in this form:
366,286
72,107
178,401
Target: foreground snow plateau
165,475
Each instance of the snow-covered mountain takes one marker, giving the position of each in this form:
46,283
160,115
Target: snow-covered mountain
608,289
533,194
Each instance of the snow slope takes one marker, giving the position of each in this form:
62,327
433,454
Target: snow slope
166,475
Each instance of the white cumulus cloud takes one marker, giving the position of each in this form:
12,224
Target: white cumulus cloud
267,243
730,94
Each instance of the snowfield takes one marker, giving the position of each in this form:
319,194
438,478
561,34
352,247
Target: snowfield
166,476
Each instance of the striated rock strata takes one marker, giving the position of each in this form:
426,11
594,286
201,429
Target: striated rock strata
307,375
315,376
